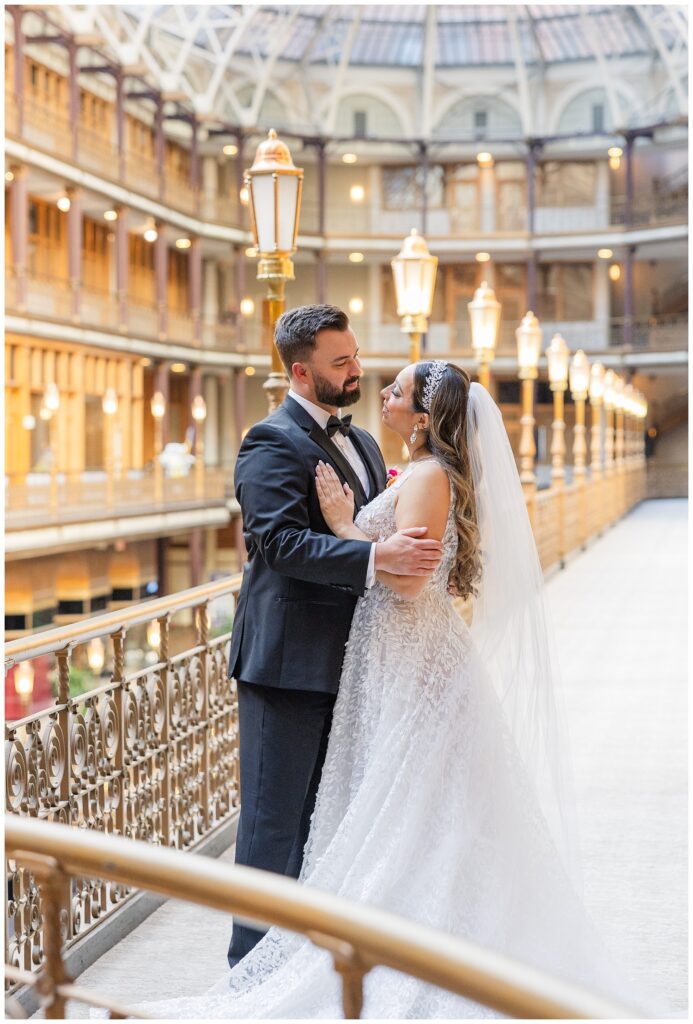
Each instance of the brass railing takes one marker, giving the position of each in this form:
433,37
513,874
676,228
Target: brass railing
358,937
152,754
97,495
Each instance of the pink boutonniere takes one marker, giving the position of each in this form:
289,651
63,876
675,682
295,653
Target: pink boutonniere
392,475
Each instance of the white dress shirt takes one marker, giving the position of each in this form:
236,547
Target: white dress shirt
348,449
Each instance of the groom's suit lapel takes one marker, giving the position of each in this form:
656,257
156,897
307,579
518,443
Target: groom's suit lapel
360,443
321,438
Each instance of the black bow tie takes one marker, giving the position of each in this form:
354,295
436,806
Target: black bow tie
334,424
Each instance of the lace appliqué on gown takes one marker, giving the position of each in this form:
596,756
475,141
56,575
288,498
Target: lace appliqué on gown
424,810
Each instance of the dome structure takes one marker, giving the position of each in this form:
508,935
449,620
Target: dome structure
421,71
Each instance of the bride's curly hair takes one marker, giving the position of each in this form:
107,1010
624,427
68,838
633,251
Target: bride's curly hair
446,439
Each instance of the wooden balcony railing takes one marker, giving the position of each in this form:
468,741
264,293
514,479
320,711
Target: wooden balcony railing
89,496
358,937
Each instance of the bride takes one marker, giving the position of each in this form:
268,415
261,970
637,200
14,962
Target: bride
444,796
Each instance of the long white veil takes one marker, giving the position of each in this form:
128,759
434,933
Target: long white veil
511,626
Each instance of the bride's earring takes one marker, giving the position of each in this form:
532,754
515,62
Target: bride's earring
412,439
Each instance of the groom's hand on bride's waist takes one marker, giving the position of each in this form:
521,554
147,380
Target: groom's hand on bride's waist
408,553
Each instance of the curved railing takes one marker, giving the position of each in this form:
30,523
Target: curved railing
358,937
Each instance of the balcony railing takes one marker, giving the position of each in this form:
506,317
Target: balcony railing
150,755
153,753
358,937
88,496
49,128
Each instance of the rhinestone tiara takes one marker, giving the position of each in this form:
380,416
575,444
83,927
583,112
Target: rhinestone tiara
433,379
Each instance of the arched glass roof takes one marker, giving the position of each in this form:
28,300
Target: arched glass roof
213,56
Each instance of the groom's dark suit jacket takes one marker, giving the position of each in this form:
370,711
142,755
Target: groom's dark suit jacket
300,583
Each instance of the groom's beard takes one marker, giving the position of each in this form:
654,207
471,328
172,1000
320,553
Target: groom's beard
328,394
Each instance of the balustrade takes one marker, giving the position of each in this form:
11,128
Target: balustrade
152,754
85,496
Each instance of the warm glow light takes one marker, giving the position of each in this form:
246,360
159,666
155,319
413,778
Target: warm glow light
356,257
45,414
609,381
145,362
109,403
110,215
96,655
51,397
64,204
557,356
274,187
154,634
619,388
158,405
596,382
579,375
356,305
229,149
528,336
349,158
24,679
247,307
482,257
414,273
251,252
151,235
250,371
484,159
199,409
244,195
604,254
9,176
183,243
357,193
484,318
178,367
615,153
29,422
615,272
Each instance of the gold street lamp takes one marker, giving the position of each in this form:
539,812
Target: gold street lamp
528,336
596,402
579,387
609,399
557,356
628,413
158,407
484,318
414,274
51,403
199,412
618,408
109,404
274,187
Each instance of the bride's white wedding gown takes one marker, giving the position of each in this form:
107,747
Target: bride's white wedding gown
424,809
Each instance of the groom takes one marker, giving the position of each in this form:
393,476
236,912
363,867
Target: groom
300,586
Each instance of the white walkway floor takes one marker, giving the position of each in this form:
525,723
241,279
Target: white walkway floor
620,611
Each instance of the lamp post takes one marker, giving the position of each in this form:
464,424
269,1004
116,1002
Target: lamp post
109,404
579,386
619,397
557,355
199,412
414,274
158,407
51,403
596,402
484,318
609,405
528,336
274,187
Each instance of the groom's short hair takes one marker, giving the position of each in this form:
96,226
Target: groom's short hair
296,331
